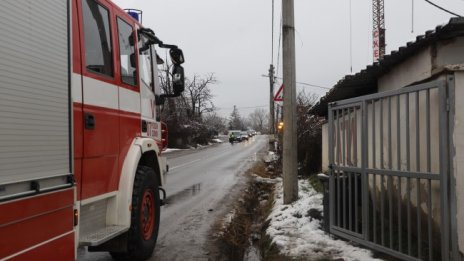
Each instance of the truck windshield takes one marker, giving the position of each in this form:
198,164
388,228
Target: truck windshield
146,63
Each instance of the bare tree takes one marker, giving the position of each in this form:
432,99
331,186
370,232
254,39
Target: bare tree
215,122
200,96
184,114
309,129
258,119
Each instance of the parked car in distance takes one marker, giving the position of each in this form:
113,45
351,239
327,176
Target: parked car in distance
244,136
235,136
251,133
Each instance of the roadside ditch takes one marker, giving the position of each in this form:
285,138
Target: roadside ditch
241,234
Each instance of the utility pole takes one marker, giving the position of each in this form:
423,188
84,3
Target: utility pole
290,171
271,101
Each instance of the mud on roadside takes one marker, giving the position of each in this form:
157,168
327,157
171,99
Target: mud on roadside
241,234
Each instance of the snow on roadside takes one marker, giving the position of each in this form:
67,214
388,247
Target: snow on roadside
216,141
296,234
170,150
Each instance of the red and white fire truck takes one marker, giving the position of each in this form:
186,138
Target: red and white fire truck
80,134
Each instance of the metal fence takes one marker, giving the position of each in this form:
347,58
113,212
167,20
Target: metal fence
389,162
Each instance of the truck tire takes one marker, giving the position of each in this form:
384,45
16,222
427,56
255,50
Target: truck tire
145,217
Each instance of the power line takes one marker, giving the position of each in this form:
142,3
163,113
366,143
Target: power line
442,8
243,108
304,83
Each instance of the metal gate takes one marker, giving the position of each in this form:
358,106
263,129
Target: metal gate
389,164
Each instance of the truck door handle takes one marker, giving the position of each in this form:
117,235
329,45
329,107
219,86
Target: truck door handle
89,121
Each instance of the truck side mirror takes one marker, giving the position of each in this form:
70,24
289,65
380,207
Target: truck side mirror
178,82
160,99
177,56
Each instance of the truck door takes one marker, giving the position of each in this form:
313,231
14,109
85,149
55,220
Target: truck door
129,84
100,99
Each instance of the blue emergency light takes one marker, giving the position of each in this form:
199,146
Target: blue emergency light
135,13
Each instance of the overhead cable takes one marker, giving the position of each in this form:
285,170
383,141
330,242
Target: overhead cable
442,8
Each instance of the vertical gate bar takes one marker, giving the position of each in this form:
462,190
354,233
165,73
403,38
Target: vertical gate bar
350,203
338,171
382,196
390,178
356,177
338,138
443,172
344,173
427,118
418,168
373,135
408,185
348,139
339,196
350,163
382,214
356,227
451,154
417,133
331,170
400,227
429,170
381,134
408,167
418,215
347,162
344,198
365,185
344,135
398,153
354,156
374,207
344,163
429,219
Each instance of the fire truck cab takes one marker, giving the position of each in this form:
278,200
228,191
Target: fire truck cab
80,131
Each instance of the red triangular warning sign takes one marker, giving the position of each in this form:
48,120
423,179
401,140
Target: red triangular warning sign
279,95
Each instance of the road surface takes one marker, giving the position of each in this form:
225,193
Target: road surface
201,184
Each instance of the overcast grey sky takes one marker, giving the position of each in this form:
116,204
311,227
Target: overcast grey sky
232,38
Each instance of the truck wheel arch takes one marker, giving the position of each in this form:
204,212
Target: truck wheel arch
143,151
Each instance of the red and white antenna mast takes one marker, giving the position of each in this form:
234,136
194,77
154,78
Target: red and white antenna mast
378,29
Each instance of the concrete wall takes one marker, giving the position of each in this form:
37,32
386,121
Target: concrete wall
414,69
423,65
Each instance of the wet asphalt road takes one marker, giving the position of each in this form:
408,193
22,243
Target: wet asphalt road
201,185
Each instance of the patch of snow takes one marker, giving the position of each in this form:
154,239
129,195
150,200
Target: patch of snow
266,180
270,157
216,140
170,150
298,235
225,222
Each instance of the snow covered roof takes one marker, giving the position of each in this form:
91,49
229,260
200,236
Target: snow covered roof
365,81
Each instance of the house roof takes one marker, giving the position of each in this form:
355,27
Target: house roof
365,81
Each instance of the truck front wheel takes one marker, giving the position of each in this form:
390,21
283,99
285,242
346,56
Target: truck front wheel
145,217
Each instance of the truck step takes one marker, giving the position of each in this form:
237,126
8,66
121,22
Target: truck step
102,235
